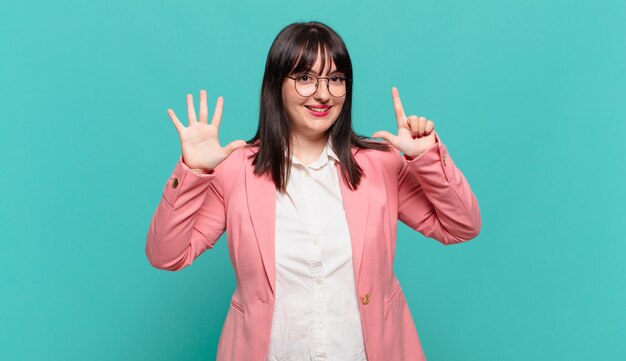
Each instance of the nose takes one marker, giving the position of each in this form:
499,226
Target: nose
321,94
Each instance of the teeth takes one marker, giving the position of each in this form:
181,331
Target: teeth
319,110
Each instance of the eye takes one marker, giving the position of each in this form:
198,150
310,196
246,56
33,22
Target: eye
305,78
337,78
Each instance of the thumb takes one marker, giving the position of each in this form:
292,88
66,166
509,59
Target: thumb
233,146
388,137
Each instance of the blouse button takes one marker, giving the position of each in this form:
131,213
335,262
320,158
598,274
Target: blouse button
366,299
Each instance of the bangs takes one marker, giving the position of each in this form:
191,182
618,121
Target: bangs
313,43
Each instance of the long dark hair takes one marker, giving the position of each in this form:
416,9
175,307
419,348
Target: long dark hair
295,50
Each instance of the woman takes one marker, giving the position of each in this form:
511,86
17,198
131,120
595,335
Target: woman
310,211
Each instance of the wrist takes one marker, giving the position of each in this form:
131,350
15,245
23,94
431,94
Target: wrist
411,157
201,171
197,170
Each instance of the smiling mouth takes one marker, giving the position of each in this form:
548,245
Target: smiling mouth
318,109
319,112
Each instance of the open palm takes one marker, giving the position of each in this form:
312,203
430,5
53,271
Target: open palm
199,140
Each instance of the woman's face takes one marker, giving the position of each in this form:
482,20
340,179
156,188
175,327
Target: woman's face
312,116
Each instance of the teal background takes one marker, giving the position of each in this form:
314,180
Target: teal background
527,95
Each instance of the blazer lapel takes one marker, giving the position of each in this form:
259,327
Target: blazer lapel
261,196
356,206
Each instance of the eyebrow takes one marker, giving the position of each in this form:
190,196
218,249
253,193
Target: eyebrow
329,73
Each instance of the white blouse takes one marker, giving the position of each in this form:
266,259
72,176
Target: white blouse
316,314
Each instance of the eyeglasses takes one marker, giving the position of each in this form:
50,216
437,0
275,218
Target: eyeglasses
306,84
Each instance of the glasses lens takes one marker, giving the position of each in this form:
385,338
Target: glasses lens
306,85
337,85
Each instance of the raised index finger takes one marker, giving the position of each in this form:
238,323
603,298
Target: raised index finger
397,105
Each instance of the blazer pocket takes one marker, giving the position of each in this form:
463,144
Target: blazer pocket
237,306
394,293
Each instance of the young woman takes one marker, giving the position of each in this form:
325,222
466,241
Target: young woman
310,211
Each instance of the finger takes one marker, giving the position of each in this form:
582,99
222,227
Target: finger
430,126
191,111
397,106
421,127
388,137
217,115
179,126
234,145
413,123
204,110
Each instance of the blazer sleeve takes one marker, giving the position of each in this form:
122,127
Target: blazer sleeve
435,199
189,218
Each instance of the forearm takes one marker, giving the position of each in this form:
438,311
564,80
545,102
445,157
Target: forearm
457,214
173,241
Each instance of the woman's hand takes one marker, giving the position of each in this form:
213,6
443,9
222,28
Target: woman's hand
415,134
200,145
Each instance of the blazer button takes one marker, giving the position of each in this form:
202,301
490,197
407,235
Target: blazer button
366,299
174,183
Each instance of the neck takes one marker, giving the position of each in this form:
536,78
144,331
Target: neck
307,150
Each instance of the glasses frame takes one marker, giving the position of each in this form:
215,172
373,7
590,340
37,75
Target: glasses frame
317,83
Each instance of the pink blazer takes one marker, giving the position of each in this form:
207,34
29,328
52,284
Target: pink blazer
428,193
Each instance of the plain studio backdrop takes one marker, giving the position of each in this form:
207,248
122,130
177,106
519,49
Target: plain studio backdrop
527,95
